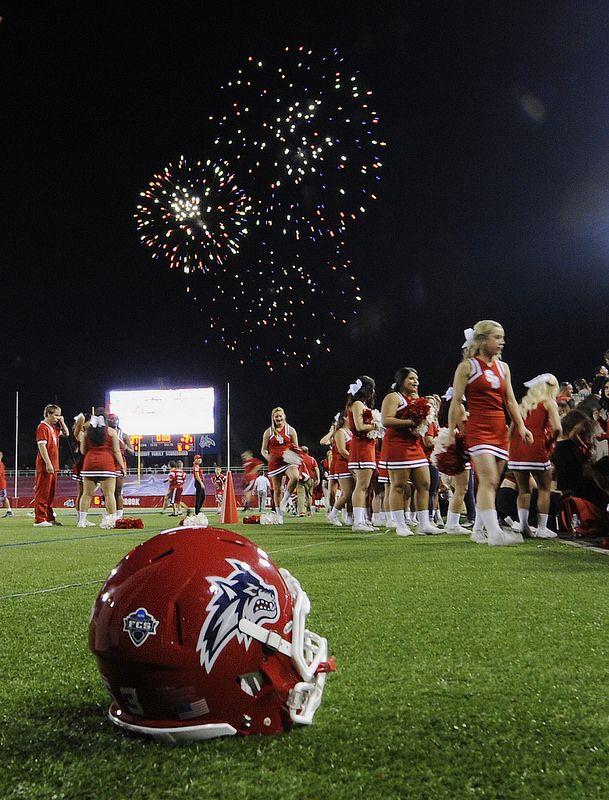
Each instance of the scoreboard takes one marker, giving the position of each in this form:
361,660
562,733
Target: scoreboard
165,444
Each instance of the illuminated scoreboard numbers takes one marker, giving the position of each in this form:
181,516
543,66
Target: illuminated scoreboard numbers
136,442
186,443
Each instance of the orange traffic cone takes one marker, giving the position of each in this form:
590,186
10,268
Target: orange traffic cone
228,511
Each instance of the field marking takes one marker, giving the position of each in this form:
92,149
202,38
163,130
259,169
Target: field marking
99,536
46,591
123,532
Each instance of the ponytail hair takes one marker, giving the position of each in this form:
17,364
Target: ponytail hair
547,390
97,433
473,344
366,393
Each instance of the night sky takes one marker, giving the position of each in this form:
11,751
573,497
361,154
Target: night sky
494,201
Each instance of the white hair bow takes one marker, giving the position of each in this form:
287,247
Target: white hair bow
97,422
355,387
543,378
469,334
337,416
448,394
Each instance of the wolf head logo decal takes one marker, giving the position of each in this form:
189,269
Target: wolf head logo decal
240,595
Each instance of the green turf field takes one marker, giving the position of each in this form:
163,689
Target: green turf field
463,671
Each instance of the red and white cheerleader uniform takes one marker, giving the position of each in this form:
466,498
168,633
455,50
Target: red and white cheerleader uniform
382,475
123,448
402,449
361,448
279,441
340,465
535,456
486,431
99,461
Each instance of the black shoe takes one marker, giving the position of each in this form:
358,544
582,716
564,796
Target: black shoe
56,522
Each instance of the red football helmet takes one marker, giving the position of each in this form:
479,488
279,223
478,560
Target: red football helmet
198,634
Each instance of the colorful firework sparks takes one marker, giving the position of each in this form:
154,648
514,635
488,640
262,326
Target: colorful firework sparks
194,215
304,131
277,312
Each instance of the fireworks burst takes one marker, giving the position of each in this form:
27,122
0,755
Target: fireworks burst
305,133
278,312
193,215
301,137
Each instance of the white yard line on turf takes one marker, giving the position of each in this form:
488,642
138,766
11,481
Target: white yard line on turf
88,583
46,591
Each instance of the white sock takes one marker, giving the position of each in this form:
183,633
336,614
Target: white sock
452,520
542,521
478,523
359,515
380,517
400,518
286,497
489,519
523,518
82,516
423,518
411,516
119,513
332,513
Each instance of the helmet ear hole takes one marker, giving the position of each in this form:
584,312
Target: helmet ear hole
252,683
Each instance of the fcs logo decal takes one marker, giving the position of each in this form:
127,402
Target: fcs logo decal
241,595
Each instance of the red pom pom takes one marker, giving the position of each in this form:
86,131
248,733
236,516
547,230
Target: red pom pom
253,519
452,460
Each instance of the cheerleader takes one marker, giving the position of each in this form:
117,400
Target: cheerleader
362,462
403,455
540,412
124,441
276,441
461,480
485,381
102,460
339,472
331,484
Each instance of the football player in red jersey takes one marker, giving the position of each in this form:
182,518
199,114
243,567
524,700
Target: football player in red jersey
177,478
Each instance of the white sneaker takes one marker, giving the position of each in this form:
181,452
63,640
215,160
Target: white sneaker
456,529
335,521
403,530
370,526
82,524
501,538
44,524
544,533
88,524
360,528
427,530
107,522
391,523
479,537
521,529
